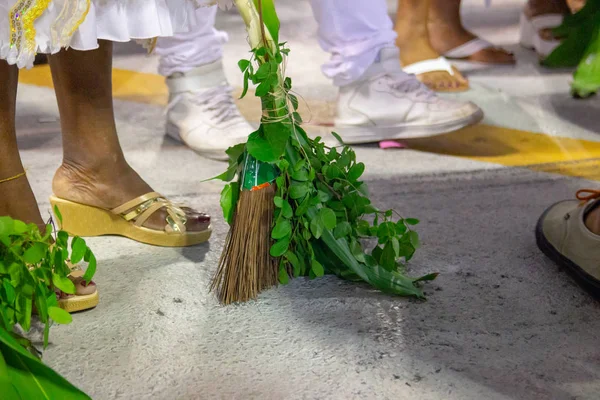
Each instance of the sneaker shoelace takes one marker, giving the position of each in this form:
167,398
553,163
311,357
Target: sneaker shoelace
585,195
216,102
406,83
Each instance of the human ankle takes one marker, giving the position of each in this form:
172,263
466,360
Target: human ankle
592,221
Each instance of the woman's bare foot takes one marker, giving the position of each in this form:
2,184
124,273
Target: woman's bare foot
446,32
94,170
534,8
575,5
109,188
414,44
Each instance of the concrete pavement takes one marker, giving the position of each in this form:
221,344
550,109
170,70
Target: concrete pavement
501,322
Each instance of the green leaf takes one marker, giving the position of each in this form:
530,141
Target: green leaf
261,52
333,172
303,207
411,221
387,281
91,268
7,225
363,228
63,283
327,215
229,199
270,19
337,137
235,152
243,64
342,229
401,228
324,197
263,71
356,172
317,268
293,260
268,143
414,239
301,175
245,80
35,253
298,190
9,291
357,250
388,257
30,378
263,88
284,278
59,315
78,248
316,227
62,239
282,229
294,101
19,227
280,247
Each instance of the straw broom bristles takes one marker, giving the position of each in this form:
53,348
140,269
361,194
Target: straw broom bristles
246,267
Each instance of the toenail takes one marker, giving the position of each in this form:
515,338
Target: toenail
203,218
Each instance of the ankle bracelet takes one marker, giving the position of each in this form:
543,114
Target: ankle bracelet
12,178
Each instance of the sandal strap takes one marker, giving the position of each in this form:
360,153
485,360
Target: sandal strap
422,67
135,202
468,49
143,207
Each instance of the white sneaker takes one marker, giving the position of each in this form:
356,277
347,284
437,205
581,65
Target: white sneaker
202,114
387,103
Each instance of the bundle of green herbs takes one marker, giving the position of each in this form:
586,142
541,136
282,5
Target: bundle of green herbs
321,213
32,265
580,47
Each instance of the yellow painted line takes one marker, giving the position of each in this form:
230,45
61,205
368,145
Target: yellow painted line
499,145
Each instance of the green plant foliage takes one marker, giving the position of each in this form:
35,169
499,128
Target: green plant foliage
580,47
324,219
24,377
32,267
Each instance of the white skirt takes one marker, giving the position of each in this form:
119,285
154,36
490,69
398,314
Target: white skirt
28,27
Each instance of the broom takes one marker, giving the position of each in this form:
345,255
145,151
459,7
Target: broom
312,192
246,266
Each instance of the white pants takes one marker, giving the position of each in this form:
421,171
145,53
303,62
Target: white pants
352,31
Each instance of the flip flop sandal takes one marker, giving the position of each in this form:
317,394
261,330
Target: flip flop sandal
433,65
127,220
530,33
85,297
459,56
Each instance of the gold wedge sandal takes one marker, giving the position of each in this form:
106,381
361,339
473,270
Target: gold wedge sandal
85,297
127,220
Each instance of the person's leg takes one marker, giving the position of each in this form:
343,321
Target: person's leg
201,112
538,20
447,32
377,99
413,39
353,32
188,50
16,198
94,170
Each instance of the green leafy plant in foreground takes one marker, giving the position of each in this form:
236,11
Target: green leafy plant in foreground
32,265
324,218
580,47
